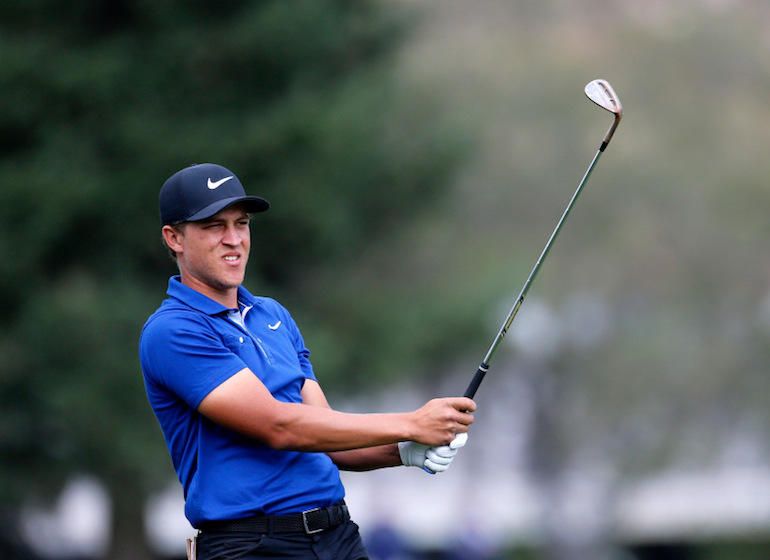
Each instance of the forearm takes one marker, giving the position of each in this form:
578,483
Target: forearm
305,428
367,459
243,404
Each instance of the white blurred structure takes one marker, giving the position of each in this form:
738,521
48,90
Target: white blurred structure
503,507
490,487
78,524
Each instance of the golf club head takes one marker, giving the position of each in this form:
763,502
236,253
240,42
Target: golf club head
601,93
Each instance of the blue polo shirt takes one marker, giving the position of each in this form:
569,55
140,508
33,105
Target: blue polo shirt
188,347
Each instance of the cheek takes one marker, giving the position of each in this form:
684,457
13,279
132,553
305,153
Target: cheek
201,255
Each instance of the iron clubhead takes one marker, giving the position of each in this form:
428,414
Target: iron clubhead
601,93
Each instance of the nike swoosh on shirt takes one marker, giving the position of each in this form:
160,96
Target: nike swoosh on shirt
273,327
214,184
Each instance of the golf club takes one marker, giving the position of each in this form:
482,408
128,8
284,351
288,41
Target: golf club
601,93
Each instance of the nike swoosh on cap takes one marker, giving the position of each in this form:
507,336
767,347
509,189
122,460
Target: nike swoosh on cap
214,184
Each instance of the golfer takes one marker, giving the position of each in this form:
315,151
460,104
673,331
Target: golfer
254,442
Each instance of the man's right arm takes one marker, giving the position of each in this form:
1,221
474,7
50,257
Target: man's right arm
242,403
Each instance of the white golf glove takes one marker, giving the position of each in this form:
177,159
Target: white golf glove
432,459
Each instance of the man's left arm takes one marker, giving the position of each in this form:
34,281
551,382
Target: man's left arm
365,459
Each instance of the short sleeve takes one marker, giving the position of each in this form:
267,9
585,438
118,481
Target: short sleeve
181,353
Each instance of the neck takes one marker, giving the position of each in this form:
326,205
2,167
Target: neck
227,296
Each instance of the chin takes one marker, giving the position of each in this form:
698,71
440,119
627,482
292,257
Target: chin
233,281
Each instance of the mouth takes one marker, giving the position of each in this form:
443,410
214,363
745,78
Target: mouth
232,259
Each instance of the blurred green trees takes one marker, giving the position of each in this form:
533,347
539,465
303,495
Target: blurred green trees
102,101
396,255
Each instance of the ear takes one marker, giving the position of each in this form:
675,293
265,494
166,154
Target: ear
172,237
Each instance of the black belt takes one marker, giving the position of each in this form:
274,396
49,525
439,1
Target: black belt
308,522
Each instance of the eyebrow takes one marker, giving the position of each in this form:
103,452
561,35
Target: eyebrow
214,220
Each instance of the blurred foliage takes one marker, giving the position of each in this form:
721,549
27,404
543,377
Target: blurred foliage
102,101
416,163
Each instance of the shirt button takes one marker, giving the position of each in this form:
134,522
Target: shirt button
240,340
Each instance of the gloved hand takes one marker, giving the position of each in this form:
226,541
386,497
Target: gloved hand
431,459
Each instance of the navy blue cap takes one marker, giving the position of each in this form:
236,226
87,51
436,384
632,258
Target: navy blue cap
200,191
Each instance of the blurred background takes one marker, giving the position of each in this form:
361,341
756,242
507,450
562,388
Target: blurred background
417,154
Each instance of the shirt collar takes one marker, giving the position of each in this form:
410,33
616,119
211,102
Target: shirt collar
202,303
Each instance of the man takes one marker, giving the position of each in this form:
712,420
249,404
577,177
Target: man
252,437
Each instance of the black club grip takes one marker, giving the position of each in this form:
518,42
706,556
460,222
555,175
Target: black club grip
476,381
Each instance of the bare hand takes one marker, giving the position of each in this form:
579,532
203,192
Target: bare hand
439,420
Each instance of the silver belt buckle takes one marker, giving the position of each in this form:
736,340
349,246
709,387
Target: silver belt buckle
308,530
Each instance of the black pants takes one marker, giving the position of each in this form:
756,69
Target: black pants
338,543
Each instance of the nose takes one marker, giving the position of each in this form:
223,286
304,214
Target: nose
232,236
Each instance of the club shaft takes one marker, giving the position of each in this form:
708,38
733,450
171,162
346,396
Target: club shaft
484,366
